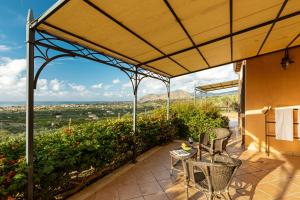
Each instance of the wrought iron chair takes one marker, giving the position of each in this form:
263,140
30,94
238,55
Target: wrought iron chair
216,146
212,178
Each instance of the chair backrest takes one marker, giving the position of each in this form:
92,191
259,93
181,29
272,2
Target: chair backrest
219,143
219,173
222,137
222,133
204,139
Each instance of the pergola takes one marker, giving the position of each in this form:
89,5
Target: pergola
204,89
157,39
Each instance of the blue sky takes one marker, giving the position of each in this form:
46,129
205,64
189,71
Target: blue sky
73,79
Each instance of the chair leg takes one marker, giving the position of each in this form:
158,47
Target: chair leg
226,152
187,191
171,170
228,197
200,154
210,196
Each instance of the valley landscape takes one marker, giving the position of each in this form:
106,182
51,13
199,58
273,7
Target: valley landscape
54,115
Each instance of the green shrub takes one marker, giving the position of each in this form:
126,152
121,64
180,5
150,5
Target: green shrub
64,156
90,150
198,119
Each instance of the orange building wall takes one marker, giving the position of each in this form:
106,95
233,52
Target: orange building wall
267,84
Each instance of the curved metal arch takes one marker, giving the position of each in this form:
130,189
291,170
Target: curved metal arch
51,43
47,61
140,80
129,76
40,57
52,39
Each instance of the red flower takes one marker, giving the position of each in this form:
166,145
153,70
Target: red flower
11,162
10,198
10,174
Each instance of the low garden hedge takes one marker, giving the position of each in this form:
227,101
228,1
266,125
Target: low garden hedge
65,160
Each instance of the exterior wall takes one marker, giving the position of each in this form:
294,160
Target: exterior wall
267,84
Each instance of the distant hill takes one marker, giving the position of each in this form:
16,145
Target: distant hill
175,95
222,93
180,95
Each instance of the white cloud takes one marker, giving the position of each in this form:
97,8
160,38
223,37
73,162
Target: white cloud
108,94
215,75
11,67
4,48
126,85
115,81
55,85
188,82
97,86
51,90
42,84
151,86
12,78
78,88
106,87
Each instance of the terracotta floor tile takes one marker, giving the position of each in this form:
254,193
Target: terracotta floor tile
126,179
293,197
246,180
129,191
109,193
150,188
142,176
259,195
296,180
92,197
195,194
168,183
237,196
138,198
163,174
287,188
157,196
265,177
268,188
176,193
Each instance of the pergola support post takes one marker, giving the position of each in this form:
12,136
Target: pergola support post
134,113
135,79
29,103
194,96
168,99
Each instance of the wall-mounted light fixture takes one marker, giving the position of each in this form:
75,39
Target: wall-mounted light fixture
286,61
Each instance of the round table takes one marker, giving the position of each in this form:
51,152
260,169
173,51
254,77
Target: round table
175,158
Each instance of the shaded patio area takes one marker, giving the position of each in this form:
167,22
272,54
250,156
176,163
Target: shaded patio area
259,177
212,34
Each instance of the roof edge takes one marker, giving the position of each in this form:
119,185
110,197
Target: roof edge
48,13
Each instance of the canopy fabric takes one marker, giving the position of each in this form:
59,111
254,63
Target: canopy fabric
173,37
218,86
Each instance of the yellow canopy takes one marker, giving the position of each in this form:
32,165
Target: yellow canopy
176,37
218,86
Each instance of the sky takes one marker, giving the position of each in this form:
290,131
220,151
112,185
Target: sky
74,79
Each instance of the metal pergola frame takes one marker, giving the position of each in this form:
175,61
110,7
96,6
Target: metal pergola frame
199,91
47,48
223,85
194,45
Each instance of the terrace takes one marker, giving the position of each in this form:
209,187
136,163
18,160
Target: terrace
183,37
259,177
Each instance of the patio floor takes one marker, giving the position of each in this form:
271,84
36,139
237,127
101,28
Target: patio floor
260,177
